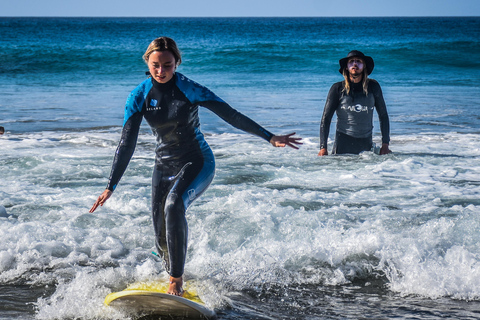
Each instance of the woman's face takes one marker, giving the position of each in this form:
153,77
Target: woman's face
162,65
355,66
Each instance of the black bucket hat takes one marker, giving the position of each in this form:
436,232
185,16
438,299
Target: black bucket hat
355,53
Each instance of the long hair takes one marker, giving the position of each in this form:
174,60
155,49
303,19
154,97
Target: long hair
365,80
163,44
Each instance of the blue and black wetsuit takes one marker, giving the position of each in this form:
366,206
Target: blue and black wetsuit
354,117
184,163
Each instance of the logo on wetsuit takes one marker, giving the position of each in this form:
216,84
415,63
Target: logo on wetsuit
356,108
153,105
191,194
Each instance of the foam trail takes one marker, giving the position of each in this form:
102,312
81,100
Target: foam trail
271,217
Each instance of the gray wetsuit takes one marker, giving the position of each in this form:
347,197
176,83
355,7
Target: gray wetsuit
354,117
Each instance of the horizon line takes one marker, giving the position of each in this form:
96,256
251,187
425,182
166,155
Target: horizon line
241,17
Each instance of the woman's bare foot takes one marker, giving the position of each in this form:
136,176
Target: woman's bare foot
176,286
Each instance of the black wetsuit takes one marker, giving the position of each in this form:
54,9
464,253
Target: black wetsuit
184,163
354,117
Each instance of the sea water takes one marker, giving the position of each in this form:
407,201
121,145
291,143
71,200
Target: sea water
280,233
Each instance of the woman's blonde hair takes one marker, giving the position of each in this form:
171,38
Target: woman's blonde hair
163,44
365,80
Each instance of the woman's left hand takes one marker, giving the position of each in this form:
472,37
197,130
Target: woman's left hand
286,140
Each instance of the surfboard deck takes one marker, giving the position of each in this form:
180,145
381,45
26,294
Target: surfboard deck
151,299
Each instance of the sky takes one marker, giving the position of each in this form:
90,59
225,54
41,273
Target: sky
238,8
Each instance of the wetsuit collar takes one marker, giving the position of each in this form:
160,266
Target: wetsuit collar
356,86
164,86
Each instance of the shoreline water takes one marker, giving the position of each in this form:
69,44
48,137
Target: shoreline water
348,302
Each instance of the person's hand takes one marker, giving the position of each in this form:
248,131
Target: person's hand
286,140
101,200
384,149
323,152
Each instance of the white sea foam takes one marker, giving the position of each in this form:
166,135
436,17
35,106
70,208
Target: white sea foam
271,216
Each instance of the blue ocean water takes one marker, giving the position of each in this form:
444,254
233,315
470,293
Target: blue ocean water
280,234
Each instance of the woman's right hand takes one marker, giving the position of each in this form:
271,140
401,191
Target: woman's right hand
101,200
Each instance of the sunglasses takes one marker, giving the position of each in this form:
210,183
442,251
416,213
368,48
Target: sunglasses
357,62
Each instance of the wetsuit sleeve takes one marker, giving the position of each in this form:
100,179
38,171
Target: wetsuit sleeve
202,96
330,107
381,108
131,125
237,119
125,149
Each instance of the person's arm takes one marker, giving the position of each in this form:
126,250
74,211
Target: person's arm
126,147
237,119
202,96
331,105
123,154
244,123
383,118
125,150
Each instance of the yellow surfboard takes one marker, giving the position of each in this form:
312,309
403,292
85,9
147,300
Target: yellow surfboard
149,298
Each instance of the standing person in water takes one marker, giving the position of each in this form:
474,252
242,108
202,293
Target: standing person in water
184,163
354,100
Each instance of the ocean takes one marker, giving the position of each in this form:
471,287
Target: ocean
280,233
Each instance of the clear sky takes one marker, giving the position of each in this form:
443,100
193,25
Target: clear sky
239,8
